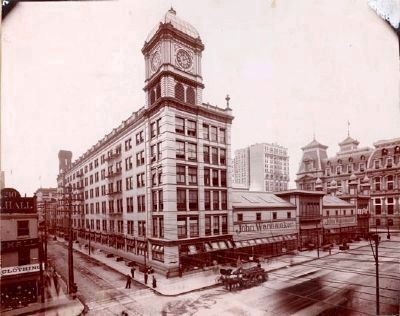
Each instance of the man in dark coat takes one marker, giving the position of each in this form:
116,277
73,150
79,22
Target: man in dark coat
154,282
133,272
128,281
145,277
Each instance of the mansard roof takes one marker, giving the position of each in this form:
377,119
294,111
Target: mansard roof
314,144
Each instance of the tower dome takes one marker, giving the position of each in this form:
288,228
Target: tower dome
171,18
333,183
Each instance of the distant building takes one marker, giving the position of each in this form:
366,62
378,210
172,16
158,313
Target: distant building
261,167
19,250
47,206
366,177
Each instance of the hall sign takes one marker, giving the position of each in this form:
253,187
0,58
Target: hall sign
260,227
12,202
29,268
339,221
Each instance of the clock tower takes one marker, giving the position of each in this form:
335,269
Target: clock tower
172,53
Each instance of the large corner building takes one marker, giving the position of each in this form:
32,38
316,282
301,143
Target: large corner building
157,188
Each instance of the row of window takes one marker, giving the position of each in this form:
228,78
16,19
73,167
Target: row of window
188,200
116,206
258,216
189,128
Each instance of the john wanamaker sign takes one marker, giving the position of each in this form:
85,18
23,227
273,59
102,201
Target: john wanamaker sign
259,227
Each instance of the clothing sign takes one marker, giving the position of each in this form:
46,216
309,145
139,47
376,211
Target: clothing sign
29,268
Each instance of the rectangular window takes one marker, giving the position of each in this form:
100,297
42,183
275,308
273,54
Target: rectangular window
222,137
192,151
206,153
180,150
216,225
207,177
160,201
289,214
192,175
141,203
104,225
224,200
154,200
129,183
128,144
153,130
161,226
206,132
378,206
139,138
159,151
215,200
140,158
390,206
377,182
223,178
274,215
191,128
140,180
222,156
213,134
214,156
128,163
22,228
153,153
224,224
130,227
215,180
155,227
180,174
194,226
362,167
207,225
129,204
179,125
258,216
240,217
207,200
193,200
181,199
141,228
182,227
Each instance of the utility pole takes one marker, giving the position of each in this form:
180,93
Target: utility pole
71,284
45,235
376,257
90,237
316,225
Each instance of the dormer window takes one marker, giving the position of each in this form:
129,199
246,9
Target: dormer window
362,158
350,159
384,151
376,164
397,150
362,167
338,169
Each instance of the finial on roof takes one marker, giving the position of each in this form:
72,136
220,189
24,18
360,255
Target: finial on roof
313,135
172,11
227,101
348,128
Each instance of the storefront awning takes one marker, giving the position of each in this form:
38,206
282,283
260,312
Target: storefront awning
238,244
207,247
215,245
259,241
222,245
229,243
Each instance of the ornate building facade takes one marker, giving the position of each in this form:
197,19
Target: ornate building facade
158,186
367,177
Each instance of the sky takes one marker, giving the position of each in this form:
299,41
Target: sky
72,71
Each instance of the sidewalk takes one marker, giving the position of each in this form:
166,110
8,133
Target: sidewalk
56,303
206,279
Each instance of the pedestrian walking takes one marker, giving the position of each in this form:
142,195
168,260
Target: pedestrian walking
154,282
133,272
330,251
128,281
55,280
180,270
145,277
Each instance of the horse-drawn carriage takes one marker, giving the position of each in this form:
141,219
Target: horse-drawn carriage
242,278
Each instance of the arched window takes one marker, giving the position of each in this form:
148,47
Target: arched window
158,91
180,92
397,150
152,97
384,151
190,95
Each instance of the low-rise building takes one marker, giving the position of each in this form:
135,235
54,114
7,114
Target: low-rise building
20,278
339,220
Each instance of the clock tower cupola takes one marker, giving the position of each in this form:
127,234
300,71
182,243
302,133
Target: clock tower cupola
172,53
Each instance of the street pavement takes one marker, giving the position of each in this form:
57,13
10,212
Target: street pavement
340,284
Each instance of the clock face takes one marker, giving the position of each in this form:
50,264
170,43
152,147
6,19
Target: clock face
183,59
155,61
